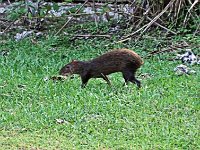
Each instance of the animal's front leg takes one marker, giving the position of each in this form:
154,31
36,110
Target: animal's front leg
84,79
106,79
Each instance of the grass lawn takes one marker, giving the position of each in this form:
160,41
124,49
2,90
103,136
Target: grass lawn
163,114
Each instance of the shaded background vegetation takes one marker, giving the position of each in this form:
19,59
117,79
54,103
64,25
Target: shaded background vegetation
134,17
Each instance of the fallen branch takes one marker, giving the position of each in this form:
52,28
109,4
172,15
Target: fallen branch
71,18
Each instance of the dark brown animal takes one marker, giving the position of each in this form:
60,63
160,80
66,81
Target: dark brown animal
121,60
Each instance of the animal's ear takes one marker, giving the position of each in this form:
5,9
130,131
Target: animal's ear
74,62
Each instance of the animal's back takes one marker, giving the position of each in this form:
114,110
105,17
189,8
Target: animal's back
116,60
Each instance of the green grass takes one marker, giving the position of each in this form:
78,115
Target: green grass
163,114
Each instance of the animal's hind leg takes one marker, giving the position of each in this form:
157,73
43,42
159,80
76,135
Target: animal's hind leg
130,76
127,76
137,82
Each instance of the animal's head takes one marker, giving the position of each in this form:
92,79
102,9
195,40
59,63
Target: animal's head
69,69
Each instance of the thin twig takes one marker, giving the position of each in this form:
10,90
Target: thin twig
89,35
127,37
11,25
123,40
5,95
94,9
120,41
188,13
198,27
71,18
158,16
162,26
136,31
9,2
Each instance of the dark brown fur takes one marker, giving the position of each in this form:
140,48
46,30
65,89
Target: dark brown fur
121,60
